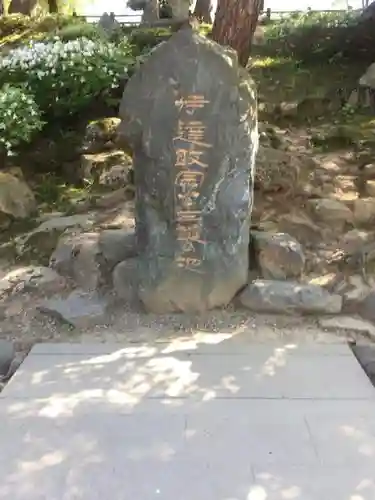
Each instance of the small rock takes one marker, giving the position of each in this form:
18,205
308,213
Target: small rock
98,133
300,227
368,78
7,353
370,188
117,245
355,293
279,256
364,210
79,309
31,279
78,256
125,280
112,199
367,307
16,198
42,241
332,212
277,170
353,240
289,297
348,323
110,168
369,171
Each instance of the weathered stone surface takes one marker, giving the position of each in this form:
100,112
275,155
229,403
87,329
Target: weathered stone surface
364,210
125,280
368,171
99,133
77,256
368,78
16,198
279,256
7,353
79,309
89,258
276,170
179,8
289,297
300,227
111,199
367,307
31,279
193,175
353,240
332,212
43,240
355,293
108,23
348,323
116,245
110,168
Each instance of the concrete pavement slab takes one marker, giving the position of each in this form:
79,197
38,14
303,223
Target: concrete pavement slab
158,422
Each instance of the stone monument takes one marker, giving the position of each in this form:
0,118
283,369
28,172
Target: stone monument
108,23
189,115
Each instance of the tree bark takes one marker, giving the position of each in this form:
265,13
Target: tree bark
235,24
53,7
202,11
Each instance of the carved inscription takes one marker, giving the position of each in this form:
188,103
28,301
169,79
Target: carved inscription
190,148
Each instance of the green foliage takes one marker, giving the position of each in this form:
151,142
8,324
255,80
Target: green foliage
20,117
314,36
145,39
80,29
65,77
18,23
13,24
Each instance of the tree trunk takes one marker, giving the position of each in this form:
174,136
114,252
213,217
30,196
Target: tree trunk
53,8
235,24
202,11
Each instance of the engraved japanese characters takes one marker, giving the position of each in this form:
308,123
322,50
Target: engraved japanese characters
189,115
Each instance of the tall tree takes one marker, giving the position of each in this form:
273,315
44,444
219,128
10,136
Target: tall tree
235,24
202,11
53,7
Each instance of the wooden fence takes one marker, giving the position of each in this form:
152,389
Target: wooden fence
135,19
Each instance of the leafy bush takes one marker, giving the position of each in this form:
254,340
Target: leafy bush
145,39
17,23
65,77
20,117
312,36
13,24
79,30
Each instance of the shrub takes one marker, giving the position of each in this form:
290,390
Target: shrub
145,39
79,30
13,24
20,117
314,36
65,77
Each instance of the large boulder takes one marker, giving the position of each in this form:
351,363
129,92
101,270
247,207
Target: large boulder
194,174
288,297
16,198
